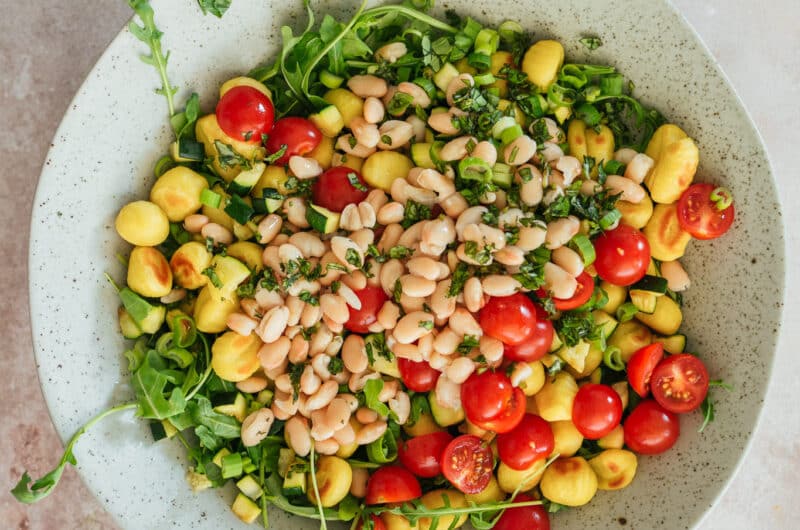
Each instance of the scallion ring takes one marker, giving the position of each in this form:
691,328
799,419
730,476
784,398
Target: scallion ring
473,168
585,248
721,197
612,358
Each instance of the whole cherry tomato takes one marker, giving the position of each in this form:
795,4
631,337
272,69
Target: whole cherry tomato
299,135
418,375
528,442
422,455
510,319
596,410
245,113
338,187
524,517
509,418
623,255
486,396
537,344
650,430
392,484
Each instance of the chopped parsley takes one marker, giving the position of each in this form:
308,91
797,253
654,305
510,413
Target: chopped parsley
468,344
212,277
308,298
355,182
228,157
415,212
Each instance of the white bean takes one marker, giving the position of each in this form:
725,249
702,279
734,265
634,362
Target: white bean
436,235
551,151
273,324
625,155
345,436
374,110
347,252
295,210
568,259
454,205
499,285
628,189
194,223
486,151
473,215
520,373
241,324
326,447
256,426
519,151
370,433
304,168
298,436
334,307
350,145
391,52
365,133
217,233
430,179
253,384
443,305
365,86
560,231
570,168
354,354
416,286
419,127
457,149
395,134
443,122
323,396
448,393
458,83
512,256
391,213
272,355
400,404
366,415
420,97
491,348
558,282
676,276
638,167
269,227
358,486
309,381
413,326
388,315
463,323
367,214
460,369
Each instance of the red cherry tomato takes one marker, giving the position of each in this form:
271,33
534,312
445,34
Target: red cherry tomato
511,319
422,455
699,213
510,417
334,190
377,523
245,113
486,396
392,484
418,376
582,294
372,299
641,366
680,383
529,441
299,135
623,255
596,410
650,430
524,517
467,463
537,345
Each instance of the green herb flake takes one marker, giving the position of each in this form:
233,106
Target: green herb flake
355,182
212,277
308,298
353,258
215,7
591,43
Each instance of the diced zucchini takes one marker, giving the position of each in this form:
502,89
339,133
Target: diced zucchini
666,318
444,416
198,481
237,409
244,181
421,155
321,219
265,397
609,323
294,485
222,453
231,272
329,121
129,328
650,284
425,424
151,323
575,356
249,486
673,344
187,150
502,175
644,301
285,459
436,148
446,73
158,431
245,509
330,80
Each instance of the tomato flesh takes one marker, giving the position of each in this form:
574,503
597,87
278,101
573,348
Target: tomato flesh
623,255
418,376
467,463
510,319
486,396
596,410
641,366
245,113
650,429
422,455
299,135
392,484
334,189
528,442
377,523
509,418
524,517
372,299
583,294
699,215
537,344
680,383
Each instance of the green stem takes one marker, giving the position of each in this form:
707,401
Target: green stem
410,13
323,524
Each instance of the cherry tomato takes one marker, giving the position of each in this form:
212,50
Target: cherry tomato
372,299
524,517
680,383
582,294
650,430
510,319
377,523
392,484
486,396
299,135
596,410
641,366
529,441
699,213
422,455
510,417
623,255
467,463
418,376
245,113
537,345
334,190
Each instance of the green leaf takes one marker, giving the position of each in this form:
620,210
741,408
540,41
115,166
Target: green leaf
218,424
183,122
215,7
150,384
372,389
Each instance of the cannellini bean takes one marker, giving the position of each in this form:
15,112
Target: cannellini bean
412,327
486,151
377,198
241,324
560,231
270,258
320,341
365,133
520,373
568,259
358,485
459,82
460,369
253,384
320,364
390,273
298,436
551,151
590,187
473,215
558,282
272,355
345,436
390,213
454,205
256,426
388,315
334,347
217,233
363,238
419,126
442,305
630,191
457,149
417,286
462,255
338,413
531,237
320,429
389,390
354,354
195,222
431,179
371,432
351,401
676,276
334,307
490,348
447,341
295,210
498,285
367,214
357,382
309,381
519,151
309,245
436,235
463,323
395,134
273,324
420,97
391,52
335,327
512,256
326,447
570,168
344,248
438,361
492,236
531,189
625,155
365,86
366,415
411,303
298,353
374,110
323,396
295,307
400,404
638,167
424,267
350,297
448,393
304,168
391,235
288,252
356,280
443,122
311,316
273,373
473,294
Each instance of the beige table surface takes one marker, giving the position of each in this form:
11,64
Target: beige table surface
48,46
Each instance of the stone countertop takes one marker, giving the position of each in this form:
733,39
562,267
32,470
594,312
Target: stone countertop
47,48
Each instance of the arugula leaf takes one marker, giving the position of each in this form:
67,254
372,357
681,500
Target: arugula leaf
183,122
372,389
150,385
212,427
215,7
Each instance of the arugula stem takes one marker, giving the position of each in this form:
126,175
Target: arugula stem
323,524
410,13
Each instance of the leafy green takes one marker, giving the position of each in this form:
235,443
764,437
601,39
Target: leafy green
372,389
150,383
215,7
212,427
707,408
414,212
183,122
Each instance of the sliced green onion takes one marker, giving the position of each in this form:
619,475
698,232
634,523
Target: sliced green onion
210,198
614,167
484,79
164,342
384,449
722,198
591,93
573,75
611,85
502,124
184,331
181,357
240,211
471,28
164,164
626,311
427,85
510,30
610,218
399,103
559,96
510,134
584,246
474,168
231,465
487,41
481,61
330,80
588,114
247,465
612,358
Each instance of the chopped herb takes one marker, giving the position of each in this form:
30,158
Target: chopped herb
591,43
400,252
268,280
481,254
271,158
397,291
295,373
468,344
352,141
212,277
415,212
355,182
336,365
308,298
215,7
229,158
573,327
460,277
386,139
335,286
426,324
525,174
353,257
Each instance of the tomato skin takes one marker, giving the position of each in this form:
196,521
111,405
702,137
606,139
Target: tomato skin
537,345
596,410
650,429
582,294
298,134
422,455
699,215
640,367
418,376
510,417
333,190
377,523
486,396
467,463
245,113
510,319
680,383
392,484
528,442
524,517
372,299
623,255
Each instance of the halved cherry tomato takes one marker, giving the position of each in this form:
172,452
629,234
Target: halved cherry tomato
510,417
528,442
245,113
486,396
422,455
377,523
511,319
467,463
582,294
418,376
680,383
641,366
623,255
372,299
524,517
537,345
700,215
596,410
650,430
334,189
392,484
299,135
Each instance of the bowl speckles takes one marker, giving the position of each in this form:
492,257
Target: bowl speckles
103,156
